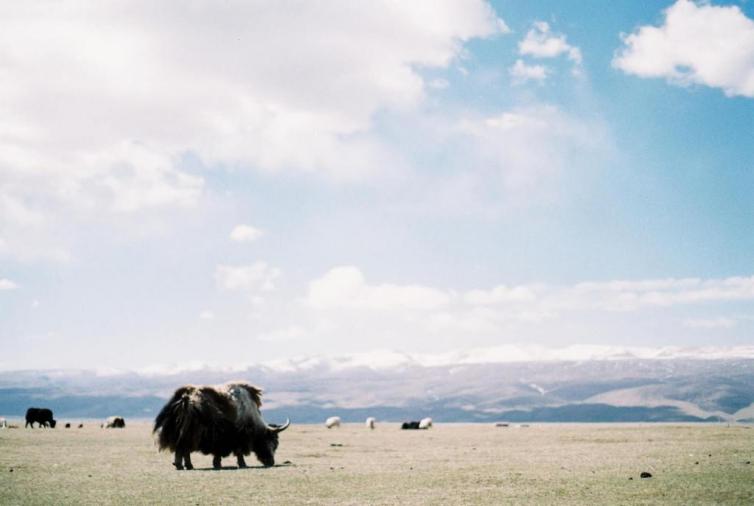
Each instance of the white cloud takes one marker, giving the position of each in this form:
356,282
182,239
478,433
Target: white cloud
133,177
710,323
346,287
7,284
619,295
344,302
438,84
698,43
529,148
502,295
99,101
24,228
206,315
290,333
540,42
334,65
521,72
245,233
254,278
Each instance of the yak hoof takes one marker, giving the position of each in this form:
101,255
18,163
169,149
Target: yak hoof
178,467
189,467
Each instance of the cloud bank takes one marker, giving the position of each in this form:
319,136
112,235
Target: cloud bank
99,102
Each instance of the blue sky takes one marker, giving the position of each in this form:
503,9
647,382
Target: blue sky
241,183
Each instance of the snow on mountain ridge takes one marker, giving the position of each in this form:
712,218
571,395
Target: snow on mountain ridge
387,359
384,360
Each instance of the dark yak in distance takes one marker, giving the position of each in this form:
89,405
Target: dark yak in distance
410,425
216,421
41,416
114,422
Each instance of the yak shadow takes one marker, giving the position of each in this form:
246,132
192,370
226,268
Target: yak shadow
236,468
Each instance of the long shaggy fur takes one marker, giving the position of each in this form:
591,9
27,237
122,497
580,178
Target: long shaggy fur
217,421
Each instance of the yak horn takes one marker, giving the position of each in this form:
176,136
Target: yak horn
280,428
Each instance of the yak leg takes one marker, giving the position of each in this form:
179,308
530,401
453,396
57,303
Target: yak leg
216,461
241,461
187,460
178,462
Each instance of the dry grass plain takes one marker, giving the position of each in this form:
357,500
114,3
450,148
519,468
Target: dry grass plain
448,464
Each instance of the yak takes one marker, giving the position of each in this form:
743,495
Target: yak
114,422
41,416
410,425
217,421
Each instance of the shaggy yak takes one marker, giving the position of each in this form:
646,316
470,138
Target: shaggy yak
42,416
218,421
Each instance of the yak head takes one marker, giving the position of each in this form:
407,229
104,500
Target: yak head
266,444
52,423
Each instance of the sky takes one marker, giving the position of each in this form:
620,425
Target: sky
246,181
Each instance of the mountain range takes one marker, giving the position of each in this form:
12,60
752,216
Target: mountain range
515,384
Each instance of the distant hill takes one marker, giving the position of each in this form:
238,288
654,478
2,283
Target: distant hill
620,388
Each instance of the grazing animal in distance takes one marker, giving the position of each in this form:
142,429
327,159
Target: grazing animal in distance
42,416
410,425
217,421
332,422
68,426
3,423
370,422
425,423
114,422
81,426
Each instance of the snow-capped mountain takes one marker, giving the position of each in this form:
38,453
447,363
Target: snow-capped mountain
578,383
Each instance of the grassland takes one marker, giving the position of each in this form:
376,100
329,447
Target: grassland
448,464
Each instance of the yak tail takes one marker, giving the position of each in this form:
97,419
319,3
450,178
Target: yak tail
175,422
